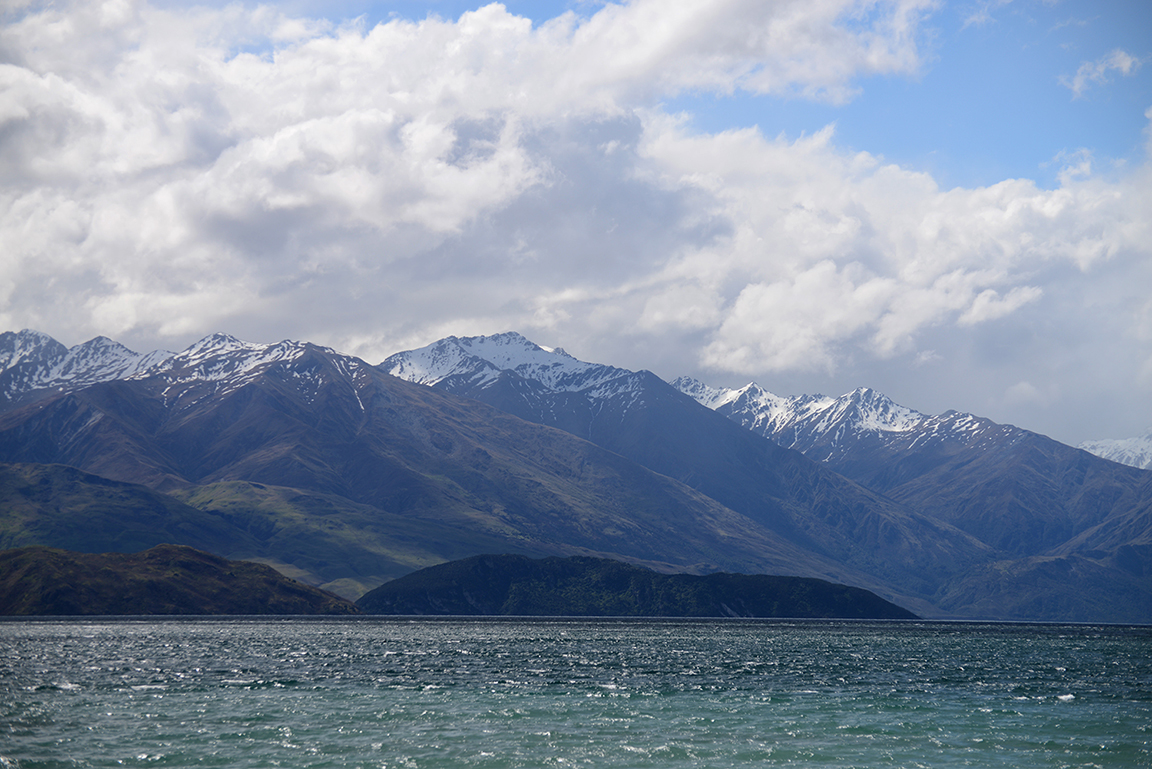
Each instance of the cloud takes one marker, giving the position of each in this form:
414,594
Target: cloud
832,251
1026,392
170,157
981,13
1099,72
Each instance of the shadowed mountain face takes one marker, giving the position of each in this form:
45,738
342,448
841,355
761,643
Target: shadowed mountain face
1075,530
1017,491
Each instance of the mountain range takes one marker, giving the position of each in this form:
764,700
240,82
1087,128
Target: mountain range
345,475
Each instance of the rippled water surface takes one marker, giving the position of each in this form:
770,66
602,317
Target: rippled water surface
539,693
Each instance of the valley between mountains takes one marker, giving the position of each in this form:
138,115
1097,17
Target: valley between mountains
345,475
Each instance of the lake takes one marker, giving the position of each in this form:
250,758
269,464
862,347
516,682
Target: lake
401,692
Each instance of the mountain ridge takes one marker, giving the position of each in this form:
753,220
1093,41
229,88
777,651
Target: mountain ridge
33,363
645,419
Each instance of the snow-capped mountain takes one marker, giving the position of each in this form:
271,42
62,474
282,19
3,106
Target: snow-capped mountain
32,364
1135,452
931,506
828,429
480,361
1017,491
536,383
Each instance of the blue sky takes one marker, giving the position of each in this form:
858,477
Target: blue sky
946,201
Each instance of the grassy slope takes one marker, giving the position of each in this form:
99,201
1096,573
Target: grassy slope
67,508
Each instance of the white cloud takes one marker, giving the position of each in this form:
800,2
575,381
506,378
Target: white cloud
834,251
981,12
1099,72
989,305
1026,392
150,152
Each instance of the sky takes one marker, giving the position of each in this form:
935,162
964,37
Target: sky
950,202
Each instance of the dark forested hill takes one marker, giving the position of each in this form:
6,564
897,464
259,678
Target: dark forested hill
516,585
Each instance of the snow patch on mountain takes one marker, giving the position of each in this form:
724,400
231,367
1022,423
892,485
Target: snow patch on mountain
861,409
220,357
438,361
226,364
824,428
1136,452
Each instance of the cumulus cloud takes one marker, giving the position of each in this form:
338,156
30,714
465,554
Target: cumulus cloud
834,249
171,172
201,160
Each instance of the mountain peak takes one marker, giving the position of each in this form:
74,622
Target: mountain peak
215,344
873,410
31,336
797,421
26,344
31,362
482,359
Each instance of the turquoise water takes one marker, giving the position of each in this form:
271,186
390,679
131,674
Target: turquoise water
543,693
